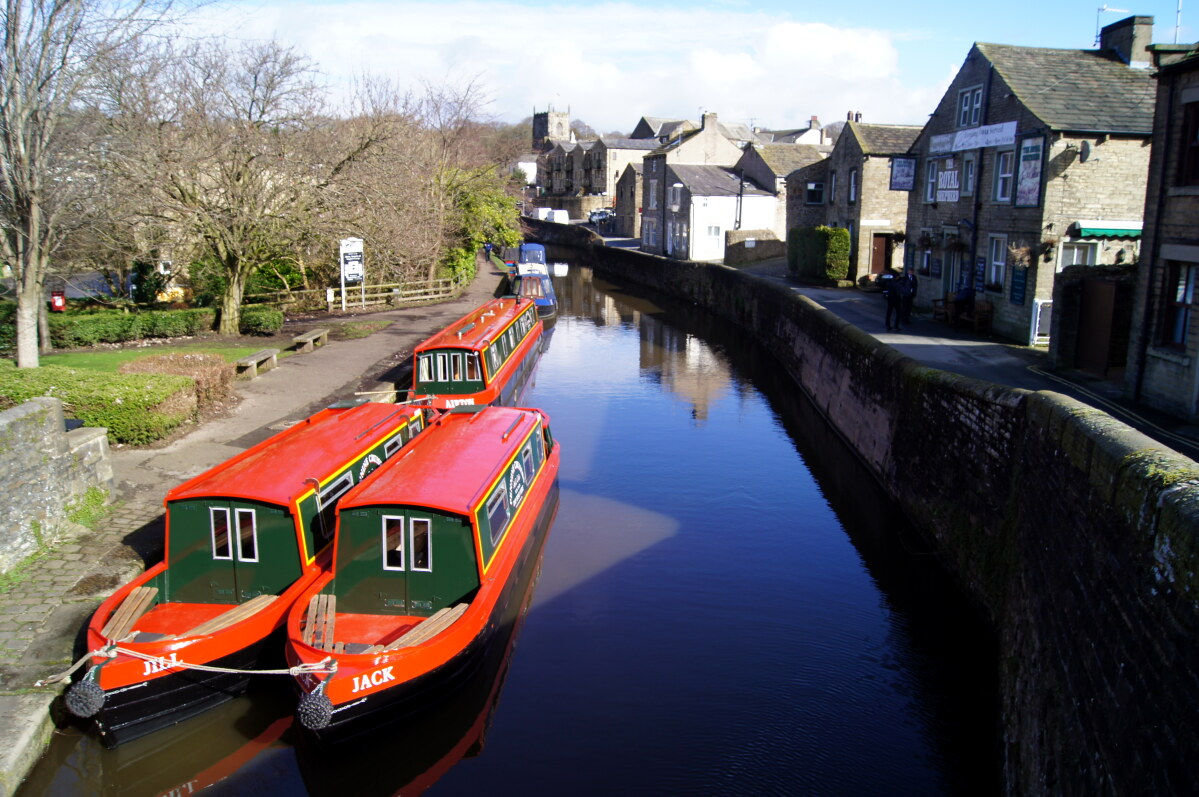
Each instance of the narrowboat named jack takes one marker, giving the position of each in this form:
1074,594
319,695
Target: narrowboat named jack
243,541
486,357
430,557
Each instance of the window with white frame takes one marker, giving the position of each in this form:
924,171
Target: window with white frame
653,194
714,231
968,172
649,231
930,181
832,187
1179,301
970,104
814,195
1077,254
393,542
853,186
676,194
997,264
1005,163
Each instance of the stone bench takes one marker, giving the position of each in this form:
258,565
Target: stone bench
310,340
264,360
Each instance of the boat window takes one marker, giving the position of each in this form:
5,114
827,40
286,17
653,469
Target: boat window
497,512
526,459
220,533
442,368
247,536
393,542
426,368
422,552
456,367
326,502
493,354
472,367
414,428
394,444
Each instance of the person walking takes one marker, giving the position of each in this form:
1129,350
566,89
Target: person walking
907,295
889,282
487,247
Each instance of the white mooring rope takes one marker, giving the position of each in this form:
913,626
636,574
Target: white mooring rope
328,665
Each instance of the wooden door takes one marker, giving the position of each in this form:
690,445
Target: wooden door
1095,326
880,253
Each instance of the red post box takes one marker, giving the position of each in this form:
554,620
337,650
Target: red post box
58,301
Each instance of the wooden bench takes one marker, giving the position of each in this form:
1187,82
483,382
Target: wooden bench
942,307
231,616
310,340
136,603
979,317
264,360
321,622
425,630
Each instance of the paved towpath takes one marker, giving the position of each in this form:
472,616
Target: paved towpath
40,618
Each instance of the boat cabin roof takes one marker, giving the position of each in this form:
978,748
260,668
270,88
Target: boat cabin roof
277,470
452,464
481,325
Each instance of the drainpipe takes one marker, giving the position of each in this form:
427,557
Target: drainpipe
1155,265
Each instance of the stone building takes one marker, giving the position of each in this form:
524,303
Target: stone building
1021,171
703,203
769,165
628,202
1163,354
550,126
707,146
604,164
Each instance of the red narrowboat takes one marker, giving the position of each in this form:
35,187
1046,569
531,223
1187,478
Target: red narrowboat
428,562
243,541
486,357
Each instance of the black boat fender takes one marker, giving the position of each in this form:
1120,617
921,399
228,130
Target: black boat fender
315,710
85,698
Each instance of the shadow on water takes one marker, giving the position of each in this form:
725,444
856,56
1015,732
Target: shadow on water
946,642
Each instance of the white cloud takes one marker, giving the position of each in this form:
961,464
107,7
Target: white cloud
611,63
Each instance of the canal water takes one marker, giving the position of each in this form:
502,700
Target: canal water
727,605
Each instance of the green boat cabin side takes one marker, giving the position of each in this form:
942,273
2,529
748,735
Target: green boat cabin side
455,370
413,560
229,550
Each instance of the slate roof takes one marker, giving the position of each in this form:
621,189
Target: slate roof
716,181
612,142
884,139
786,158
659,127
1077,90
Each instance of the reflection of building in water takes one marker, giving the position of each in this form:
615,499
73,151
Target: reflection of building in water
578,296
684,365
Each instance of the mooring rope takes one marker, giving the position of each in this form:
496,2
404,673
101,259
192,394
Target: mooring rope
328,665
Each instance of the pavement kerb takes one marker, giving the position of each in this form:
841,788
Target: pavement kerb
42,616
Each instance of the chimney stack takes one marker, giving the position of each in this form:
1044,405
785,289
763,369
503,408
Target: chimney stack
705,119
1130,39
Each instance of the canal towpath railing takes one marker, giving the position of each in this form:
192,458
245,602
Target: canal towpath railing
395,294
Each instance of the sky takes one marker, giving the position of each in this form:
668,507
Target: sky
766,63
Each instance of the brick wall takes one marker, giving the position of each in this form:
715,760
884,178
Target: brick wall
1074,533
44,469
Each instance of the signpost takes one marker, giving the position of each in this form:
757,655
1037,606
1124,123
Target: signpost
352,269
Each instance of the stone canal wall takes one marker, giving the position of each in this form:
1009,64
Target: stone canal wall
46,471
1074,533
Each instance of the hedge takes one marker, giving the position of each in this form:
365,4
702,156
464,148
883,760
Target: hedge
257,319
135,408
818,252
75,330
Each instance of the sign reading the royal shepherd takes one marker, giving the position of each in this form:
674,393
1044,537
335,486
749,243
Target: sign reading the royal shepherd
1028,179
903,174
1000,135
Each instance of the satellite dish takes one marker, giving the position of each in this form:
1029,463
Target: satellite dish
1084,153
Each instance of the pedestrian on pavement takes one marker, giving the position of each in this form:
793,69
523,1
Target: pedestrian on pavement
907,295
889,282
487,250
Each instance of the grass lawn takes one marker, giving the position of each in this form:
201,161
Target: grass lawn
110,360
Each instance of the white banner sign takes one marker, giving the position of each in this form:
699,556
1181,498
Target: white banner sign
351,260
1000,135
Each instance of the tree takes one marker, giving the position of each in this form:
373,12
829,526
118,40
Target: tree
233,148
51,49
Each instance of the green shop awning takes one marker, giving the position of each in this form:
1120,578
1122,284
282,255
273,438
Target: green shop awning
1108,229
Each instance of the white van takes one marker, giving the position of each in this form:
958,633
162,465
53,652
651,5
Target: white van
559,217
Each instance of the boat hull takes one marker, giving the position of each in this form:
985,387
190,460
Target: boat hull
352,718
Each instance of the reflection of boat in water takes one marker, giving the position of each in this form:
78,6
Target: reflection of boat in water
242,543
486,357
428,560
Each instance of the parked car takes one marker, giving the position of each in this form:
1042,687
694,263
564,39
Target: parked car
599,215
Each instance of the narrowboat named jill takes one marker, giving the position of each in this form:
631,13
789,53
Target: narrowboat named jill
428,563
243,541
488,356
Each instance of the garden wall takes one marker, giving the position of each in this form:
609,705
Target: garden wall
1075,534
45,469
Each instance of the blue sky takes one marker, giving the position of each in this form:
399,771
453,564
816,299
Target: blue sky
770,63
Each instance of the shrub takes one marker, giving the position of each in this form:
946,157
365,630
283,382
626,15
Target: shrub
258,319
818,252
73,330
211,374
8,326
135,408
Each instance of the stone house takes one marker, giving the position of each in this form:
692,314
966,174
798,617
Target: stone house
628,202
705,202
1020,172
860,197
1163,353
769,165
555,171
707,146
813,134
605,162
661,129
